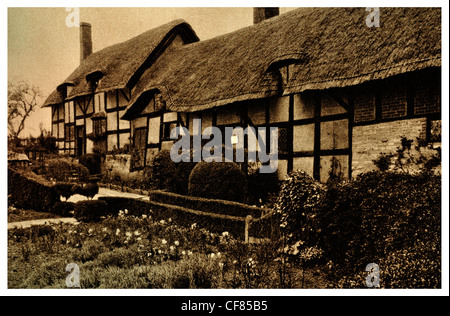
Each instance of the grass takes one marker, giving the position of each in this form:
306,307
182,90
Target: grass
138,252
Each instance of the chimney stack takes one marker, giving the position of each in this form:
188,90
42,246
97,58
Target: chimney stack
85,40
261,14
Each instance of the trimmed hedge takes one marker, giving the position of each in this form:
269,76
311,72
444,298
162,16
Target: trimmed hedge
180,215
90,210
207,205
30,191
63,209
218,180
134,206
216,223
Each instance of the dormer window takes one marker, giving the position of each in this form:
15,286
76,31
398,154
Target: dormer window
65,89
94,78
279,70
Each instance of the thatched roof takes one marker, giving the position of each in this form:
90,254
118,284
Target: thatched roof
332,47
120,62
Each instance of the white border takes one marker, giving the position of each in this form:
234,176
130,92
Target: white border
219,292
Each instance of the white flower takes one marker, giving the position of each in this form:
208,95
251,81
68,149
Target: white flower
189,253
128,234
225,234
177,243
193,226
164,241
105,229
183,252
117,232
126,211
162,222
172,248
137,233
90,231
144,216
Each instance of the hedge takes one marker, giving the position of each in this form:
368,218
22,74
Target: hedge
30,191
134,206
90,210
207,205
180,215
218,180
216,223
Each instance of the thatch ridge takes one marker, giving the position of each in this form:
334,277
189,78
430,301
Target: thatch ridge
118,62
334,45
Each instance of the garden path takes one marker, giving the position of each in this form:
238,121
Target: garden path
75,198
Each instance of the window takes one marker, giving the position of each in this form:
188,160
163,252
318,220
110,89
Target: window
70,132
99,127
283,145
167,128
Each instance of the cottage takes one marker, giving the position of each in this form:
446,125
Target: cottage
339,92
88,105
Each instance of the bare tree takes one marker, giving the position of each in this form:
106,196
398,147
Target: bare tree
22,101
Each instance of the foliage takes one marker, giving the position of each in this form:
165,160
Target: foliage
90,210
64,209
218,180
299,206
64,170
261,186
382,215
410,157
30,191
164,174
130,251
93,163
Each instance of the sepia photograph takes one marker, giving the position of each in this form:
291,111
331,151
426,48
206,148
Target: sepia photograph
233,148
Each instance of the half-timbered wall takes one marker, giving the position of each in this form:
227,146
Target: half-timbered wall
79,128
334,132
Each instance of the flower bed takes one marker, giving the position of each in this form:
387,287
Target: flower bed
140,252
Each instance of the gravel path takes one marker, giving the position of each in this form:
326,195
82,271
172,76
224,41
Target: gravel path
26,224
74,198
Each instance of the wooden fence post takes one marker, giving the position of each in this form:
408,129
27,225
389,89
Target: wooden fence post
248,219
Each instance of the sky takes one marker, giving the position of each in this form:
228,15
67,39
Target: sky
43,50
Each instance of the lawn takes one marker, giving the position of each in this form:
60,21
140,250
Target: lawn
137,252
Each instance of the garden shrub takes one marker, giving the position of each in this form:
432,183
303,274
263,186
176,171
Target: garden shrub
385,218
93,162
299,208
65,170
218,180
64,209
30,191
164,174
91,210
261,186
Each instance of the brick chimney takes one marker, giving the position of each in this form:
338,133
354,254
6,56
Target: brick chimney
261,14
85,40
